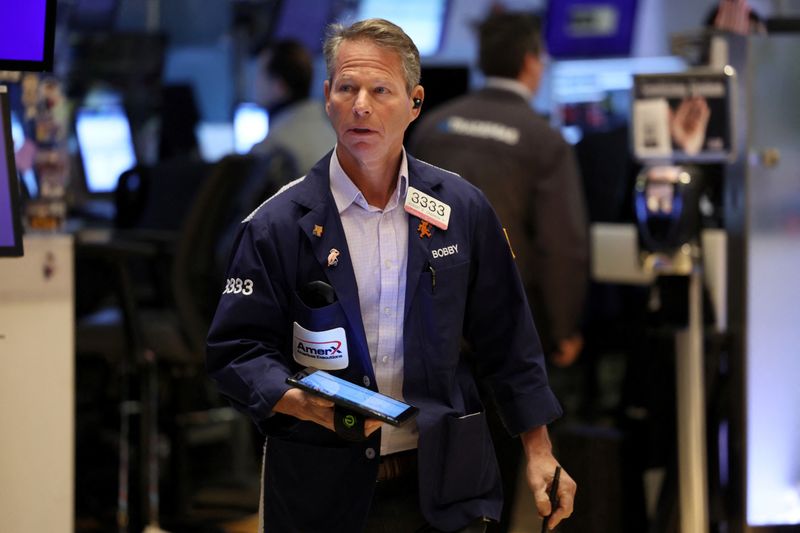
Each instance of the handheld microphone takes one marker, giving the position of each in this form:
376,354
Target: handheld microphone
347,423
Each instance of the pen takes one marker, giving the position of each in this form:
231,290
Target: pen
433,277
553,498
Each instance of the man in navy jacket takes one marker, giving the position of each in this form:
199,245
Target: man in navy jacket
419,264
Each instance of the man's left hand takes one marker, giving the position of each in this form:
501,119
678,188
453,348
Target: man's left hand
540,470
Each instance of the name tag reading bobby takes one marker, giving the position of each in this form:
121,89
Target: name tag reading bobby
427,208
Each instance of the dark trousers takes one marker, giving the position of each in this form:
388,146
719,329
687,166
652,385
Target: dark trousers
395,509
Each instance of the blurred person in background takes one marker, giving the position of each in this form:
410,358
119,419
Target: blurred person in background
297,123
495,140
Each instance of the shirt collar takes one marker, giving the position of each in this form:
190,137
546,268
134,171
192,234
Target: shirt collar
509,84
345,193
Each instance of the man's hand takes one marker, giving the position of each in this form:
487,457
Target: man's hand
568,351
300,404
540,469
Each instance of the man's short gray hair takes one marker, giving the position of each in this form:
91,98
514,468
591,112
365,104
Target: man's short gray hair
380,32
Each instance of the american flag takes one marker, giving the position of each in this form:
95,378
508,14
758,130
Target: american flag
733,16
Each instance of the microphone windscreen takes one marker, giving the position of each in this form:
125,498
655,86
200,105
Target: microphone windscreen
317,294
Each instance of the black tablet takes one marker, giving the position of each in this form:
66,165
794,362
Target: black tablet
360,399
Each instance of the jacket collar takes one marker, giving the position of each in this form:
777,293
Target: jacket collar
323,229
510,85
315,188
315,195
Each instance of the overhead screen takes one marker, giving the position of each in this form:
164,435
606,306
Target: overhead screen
589,28
27,32
10,227
306,20
422,20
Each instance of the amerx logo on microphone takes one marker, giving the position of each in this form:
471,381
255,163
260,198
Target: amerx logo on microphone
326,350
322,350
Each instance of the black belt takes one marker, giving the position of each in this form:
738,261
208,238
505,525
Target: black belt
397,465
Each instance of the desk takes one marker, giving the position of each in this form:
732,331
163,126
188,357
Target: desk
37,401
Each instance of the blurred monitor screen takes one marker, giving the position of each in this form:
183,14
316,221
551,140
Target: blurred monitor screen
87,15
27,31
303,20
442,83
591,95
17,132
10,224
422,20
18,135
105,144
589,28
215,140
250,126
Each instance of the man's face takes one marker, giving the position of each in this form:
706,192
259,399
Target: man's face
367,102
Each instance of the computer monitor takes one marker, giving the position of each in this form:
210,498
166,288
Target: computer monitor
250,126
589,28
17,132
10,223
442,83
303,20
105,144
594,95
27,34
28,177
215,140
422,20
93,15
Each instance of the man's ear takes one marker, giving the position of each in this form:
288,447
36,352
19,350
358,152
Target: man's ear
417,95
326,88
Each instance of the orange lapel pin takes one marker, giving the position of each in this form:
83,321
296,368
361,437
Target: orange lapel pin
424,229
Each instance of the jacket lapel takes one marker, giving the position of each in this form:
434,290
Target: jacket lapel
323,228
418,247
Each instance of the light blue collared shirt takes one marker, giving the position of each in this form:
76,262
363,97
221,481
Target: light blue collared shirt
378,243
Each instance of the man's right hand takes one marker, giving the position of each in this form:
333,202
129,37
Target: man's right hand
300,404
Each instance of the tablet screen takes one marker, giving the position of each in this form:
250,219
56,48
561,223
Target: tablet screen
333,386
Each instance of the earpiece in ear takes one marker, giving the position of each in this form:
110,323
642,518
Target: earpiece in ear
417,103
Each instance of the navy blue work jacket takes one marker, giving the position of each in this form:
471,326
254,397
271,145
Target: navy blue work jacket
316,481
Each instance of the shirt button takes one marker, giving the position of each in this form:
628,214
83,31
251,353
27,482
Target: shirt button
366,381
388,264
370,453
385,359
387,311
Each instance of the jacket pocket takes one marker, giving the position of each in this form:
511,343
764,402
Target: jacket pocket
442,297
319,336
469,465
318,318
